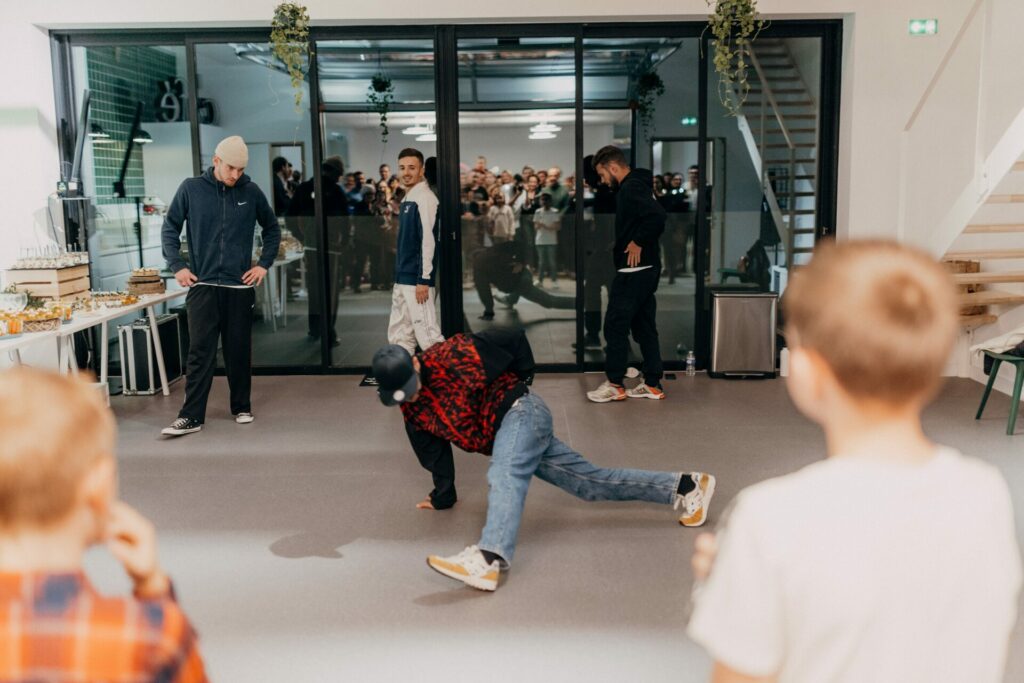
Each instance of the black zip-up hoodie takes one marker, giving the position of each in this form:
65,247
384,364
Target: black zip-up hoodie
638,218
221,222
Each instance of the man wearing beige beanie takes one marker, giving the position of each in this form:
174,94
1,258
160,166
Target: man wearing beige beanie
219,211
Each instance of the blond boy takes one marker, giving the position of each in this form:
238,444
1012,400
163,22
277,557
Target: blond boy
895,559
57,498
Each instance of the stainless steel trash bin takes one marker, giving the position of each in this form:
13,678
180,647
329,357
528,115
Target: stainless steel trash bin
743,332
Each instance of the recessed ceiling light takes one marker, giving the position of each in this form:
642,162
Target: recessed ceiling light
418,129
542,136
545,128
429,137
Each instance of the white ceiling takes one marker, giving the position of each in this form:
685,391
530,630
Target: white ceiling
482,119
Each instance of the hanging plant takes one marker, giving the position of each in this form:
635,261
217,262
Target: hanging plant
649,87
289,42
380,95
735,24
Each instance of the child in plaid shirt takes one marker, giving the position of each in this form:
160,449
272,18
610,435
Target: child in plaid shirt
57,483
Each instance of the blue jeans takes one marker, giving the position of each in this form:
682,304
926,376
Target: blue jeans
547,255
524,447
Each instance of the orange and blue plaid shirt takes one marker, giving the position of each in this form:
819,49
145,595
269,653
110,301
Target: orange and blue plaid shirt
55,628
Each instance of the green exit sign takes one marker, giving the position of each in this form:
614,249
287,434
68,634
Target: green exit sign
688,121
924,27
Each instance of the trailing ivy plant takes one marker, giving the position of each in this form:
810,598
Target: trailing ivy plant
735,24
380,95
289,40
649,87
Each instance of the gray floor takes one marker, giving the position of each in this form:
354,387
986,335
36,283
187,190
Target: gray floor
298,553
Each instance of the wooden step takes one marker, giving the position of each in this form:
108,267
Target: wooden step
769,130
798,212
1006,199
990,297
799,116
994,228
981,254
805,231
969,322
988,277
783,145
781,103
777,67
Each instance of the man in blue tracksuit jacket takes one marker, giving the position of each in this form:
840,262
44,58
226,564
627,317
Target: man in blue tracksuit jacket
219,210
413,316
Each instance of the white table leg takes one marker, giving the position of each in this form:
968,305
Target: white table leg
268,300
15,356
72,356
62,355
104,353
283,277
159,349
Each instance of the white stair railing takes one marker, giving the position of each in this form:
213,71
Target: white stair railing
967,129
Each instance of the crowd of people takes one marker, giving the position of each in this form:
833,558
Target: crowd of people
538,209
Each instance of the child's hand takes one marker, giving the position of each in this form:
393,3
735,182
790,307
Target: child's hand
131,538
704,550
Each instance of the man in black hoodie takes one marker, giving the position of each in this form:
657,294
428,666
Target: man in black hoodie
639,223
220,209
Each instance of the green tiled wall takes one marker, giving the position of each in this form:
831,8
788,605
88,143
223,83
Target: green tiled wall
119,78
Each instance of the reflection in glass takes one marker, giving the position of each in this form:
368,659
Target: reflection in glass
246,91
612,69
363,199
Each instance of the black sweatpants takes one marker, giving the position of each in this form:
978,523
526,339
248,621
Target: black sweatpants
632,308
222,313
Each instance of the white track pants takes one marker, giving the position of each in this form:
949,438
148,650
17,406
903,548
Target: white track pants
412,323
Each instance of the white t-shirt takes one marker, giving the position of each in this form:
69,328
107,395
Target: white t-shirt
863,570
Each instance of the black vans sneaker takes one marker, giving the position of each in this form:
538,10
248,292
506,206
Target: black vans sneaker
183,425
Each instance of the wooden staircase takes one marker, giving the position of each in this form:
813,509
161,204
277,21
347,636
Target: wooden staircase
997,252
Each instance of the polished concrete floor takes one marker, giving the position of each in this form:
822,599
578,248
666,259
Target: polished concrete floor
298,553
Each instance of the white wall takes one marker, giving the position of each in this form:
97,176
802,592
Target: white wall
885,72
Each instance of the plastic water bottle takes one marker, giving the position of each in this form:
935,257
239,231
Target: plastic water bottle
691,364
784,362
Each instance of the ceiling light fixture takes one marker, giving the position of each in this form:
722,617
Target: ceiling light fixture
429,137
545,128
418,129
543,136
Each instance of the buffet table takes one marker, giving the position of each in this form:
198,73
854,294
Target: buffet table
83,321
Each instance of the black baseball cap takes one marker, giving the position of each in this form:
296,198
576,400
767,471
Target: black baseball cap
395,375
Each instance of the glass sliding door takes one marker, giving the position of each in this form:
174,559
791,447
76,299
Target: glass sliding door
361,203
243,90
517,140
657,130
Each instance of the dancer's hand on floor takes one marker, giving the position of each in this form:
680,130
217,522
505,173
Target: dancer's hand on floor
704,550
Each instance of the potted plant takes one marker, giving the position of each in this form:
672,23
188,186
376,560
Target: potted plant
649,87
735,24
380,95
289,42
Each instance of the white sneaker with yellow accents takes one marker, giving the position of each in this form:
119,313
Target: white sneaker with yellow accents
469,567
695,504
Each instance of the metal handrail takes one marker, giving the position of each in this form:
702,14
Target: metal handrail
787,228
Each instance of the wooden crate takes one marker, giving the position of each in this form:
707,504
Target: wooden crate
66,284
